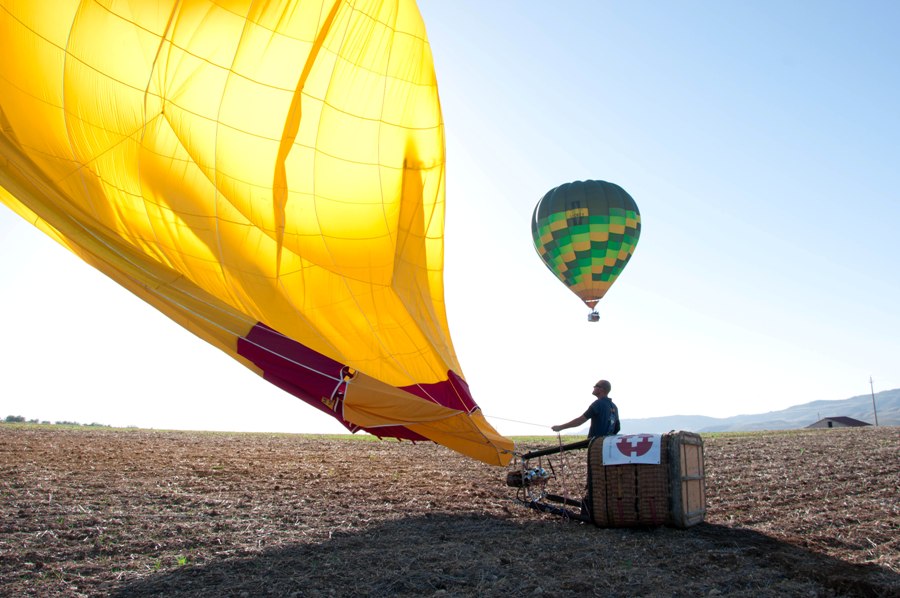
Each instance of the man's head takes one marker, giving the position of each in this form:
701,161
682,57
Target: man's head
602,388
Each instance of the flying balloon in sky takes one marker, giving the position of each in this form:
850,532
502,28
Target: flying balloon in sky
585,232
268,175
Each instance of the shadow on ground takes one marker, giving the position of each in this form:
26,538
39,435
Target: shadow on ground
465,555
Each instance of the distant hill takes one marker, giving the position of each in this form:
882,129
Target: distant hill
798,416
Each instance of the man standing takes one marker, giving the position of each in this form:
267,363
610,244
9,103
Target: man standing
603,413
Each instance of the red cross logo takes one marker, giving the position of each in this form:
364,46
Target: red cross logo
634,445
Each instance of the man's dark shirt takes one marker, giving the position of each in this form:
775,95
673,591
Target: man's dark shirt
603,414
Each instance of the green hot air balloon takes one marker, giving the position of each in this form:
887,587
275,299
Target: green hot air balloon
585,232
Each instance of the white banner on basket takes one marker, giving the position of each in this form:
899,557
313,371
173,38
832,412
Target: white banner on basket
632,448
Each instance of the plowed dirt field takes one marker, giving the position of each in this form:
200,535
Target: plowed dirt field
95,512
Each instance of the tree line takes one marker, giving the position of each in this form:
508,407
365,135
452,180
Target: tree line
18,419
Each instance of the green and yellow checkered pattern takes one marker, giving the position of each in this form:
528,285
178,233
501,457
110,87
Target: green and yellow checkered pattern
586,232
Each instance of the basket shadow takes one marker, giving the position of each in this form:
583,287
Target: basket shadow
466,555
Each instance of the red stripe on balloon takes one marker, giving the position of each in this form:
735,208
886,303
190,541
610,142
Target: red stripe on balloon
311,376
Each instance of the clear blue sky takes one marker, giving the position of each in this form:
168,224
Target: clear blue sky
761,141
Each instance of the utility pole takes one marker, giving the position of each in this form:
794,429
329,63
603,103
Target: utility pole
872,386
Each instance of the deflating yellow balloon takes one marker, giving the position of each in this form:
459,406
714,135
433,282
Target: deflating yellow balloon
270,175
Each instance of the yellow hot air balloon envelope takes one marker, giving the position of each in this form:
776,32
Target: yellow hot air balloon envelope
269,175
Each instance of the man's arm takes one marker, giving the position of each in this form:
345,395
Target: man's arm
572,424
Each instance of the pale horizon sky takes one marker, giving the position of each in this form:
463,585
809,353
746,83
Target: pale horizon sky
760,141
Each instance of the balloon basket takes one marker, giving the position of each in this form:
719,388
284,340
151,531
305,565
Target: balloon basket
593,317
670,491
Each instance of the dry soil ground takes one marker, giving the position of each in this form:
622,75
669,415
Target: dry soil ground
87,512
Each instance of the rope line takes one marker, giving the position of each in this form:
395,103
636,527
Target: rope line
516,421
565,466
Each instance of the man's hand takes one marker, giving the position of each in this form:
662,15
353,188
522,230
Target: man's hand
556,428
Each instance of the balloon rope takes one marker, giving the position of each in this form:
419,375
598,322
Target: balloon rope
565,465
515,421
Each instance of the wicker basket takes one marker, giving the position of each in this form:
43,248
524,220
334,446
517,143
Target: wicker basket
671,493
